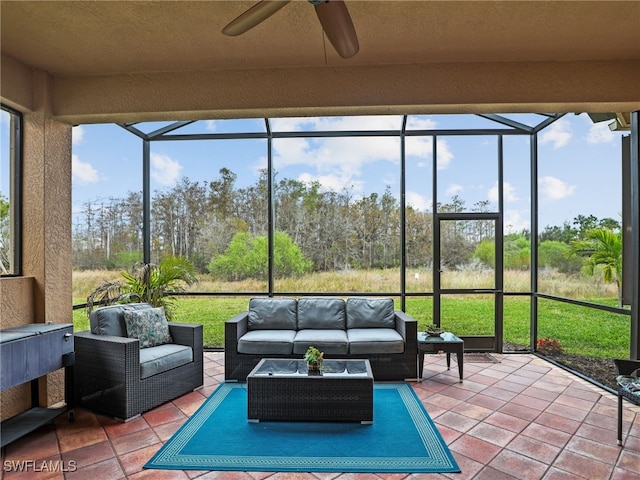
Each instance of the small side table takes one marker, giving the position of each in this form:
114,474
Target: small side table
446,342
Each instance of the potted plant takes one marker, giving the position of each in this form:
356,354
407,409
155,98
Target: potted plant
314,358
433,330
147,282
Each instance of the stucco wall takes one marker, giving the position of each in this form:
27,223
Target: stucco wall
44,293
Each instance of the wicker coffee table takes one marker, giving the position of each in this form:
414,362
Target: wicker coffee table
281,389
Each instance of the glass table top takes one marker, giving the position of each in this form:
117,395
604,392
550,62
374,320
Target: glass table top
293,367
443,337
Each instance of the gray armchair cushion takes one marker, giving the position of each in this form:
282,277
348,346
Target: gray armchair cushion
267,342
154,360
110,320
272,314
321,313
370,313
331,342
363,341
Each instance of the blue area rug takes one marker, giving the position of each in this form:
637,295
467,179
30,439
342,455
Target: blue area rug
402,439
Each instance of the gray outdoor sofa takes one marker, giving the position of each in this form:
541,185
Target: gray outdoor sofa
115,376
353,328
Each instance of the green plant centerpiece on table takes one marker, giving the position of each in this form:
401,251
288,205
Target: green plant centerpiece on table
433,330
149,283
314,358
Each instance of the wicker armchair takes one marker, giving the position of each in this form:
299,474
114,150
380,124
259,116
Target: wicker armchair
625,369
109,376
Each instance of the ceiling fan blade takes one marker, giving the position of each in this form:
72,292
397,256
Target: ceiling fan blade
252,17
336,23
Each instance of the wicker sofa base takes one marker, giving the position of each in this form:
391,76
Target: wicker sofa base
385,366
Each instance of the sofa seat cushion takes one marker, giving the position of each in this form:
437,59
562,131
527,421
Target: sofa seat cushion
370,313
267,342
321,313
364,341
331,342
272,314
154,360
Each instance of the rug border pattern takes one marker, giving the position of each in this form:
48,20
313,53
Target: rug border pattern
440,459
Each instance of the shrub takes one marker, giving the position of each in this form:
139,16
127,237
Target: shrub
248,257
547,346
553,254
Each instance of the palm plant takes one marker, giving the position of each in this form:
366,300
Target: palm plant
604,249
149,283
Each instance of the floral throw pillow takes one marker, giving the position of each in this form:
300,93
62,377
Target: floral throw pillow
149,326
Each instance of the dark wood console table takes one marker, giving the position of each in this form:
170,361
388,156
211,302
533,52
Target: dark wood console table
27,353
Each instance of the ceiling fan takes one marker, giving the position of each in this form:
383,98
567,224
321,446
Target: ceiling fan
333,15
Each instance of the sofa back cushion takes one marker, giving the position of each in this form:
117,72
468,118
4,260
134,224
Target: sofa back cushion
321,313
272,314
110,320
370,313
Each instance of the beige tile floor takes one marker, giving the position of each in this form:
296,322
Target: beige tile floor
521,418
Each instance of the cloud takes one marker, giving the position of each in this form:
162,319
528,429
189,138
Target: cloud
210,125
513,222
558,134
553,188
508,192
417,201
454,189
77,135
354,123
346,158
164,169
83,172
600,133
416,123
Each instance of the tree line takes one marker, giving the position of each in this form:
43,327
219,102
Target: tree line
330,230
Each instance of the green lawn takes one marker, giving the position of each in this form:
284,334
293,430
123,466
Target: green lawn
579,330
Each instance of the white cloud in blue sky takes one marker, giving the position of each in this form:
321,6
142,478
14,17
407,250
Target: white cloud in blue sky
77,135
600,133
342,160
514,221
418,202
83,172
552,188
165,170
508,193
558,134
454,189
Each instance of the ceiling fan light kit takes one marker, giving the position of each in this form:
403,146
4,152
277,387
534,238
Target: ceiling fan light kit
333,15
